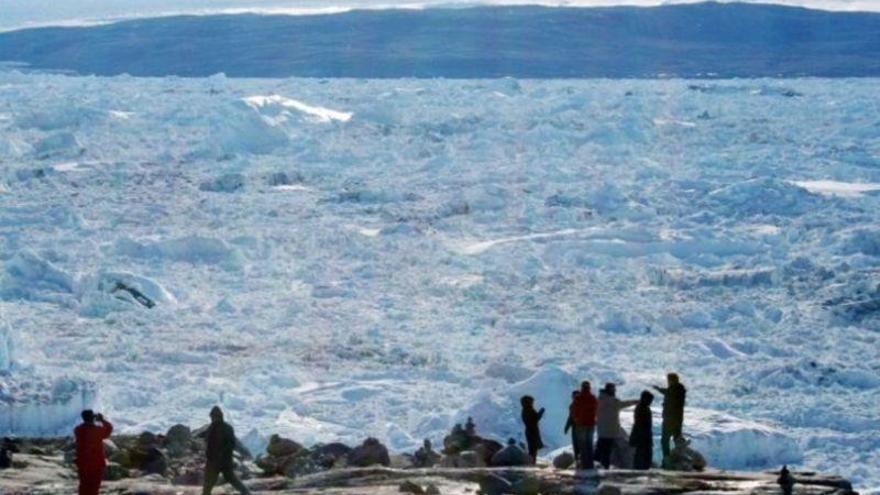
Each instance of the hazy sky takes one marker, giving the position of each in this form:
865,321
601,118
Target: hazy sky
24,13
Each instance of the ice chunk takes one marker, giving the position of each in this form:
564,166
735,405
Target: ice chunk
278,108
105,292
31,406
225,183
28,276
191,249
767,196
499,414
7,347
58,145
837,188
729,442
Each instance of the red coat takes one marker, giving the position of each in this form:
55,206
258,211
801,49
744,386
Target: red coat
90,444
584,409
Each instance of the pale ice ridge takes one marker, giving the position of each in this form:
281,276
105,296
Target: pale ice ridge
450,245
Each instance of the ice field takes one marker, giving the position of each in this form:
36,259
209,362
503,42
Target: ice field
331,259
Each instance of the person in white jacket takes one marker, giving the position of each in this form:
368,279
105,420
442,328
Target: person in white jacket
608,422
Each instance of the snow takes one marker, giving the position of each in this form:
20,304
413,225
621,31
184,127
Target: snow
838,188
440,253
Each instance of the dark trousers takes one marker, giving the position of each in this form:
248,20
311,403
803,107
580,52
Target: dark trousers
90,480
584,437
671,429
604,446
642,456
533,451
575,447
214,472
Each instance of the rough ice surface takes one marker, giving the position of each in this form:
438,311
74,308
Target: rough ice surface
443,248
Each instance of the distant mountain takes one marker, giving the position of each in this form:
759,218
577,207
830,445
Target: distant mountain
697,40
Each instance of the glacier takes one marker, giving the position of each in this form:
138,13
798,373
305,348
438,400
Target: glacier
334,258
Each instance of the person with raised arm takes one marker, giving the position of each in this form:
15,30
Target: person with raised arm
90,460
530,418
608,422
673,411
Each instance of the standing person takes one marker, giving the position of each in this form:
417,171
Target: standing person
673,411
608,422
569,425
90,460
641,438
531,418
220,440
584,424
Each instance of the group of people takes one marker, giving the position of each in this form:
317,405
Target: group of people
589,415
94,429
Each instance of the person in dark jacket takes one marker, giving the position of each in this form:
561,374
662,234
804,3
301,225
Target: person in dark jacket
531,418
569,425
90,460
641,438
220,440
673,411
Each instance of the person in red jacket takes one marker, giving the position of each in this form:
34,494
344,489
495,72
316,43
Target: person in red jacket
90,459
583,412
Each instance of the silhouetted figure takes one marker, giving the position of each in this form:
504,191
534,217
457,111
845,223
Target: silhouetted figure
530,419
220,439
641,437
90,460
7,448
608,422
584,424
673,411
425,456
569,425
785,480
470,428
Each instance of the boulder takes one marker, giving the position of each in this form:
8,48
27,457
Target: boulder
408,486
335,450
493,484
487,448
606,489
526,486
369,453
283,447
115,472
178,440
432,489
511,455
143,455
563,461
470,459
189,476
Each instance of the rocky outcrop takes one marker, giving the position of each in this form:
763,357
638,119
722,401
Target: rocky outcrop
40,469
370,453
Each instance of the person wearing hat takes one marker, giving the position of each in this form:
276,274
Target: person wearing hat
220,442
90,460
608,422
